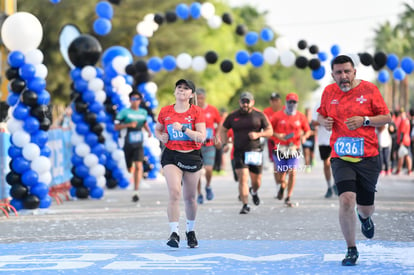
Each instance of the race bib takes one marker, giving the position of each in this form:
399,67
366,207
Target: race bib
135,137
209,133
177,135
349,146
253,158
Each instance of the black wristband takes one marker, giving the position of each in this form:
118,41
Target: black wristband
184,128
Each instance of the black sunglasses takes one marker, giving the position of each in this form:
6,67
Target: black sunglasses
245,101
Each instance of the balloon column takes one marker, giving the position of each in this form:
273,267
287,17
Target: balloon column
30,119
88,115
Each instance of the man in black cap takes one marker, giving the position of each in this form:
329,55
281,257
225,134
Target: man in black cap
248,125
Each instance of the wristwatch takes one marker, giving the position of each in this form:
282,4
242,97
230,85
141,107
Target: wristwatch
366,121
184,128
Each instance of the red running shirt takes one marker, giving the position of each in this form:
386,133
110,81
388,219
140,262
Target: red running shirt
363,100
213,119
289,124
177,139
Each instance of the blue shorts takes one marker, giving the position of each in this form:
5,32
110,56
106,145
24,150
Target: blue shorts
285,164
209,155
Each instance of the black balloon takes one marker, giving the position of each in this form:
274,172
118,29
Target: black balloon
170,16
29,98
84,50
313,49
116,2
366,59
141,78
31,202
241,30
45,124
302,44
158,18
111,183
130,69
76,181
90,117
226,66
301,62
211,57
97,128
40,111
101,139
226,17
19,191
13,178
314,63
141,66
82,192
17,85
12,73
81,107
380,59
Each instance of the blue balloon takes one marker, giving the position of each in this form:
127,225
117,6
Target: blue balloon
251,38
91,139
72,192
139,50
40,138
257,59
140,40
15,59
30,178
104,9
45,151
242,57
90,182
318,73
102,159
399,74
110,72
31,124
96,192
54,1
40,190
82,171
76,117
88,96
169,63
21,111
20,165
323,56
102,26
195,10
82,128
98,149
407,64
76,73
123,183
27,71
335,50
111,164
43,98
266,34
117,173
36,84
17,204
182,11
14,151
76,159
154,64
115,51
392,61
46,201
96,107
12,98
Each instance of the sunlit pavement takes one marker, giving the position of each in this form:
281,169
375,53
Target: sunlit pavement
115,236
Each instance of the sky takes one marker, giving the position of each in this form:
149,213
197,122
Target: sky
349,24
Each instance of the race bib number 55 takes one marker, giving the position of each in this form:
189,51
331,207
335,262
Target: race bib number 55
177,135
349,146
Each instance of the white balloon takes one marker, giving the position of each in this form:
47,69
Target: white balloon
119,63
101,181
118,81
96,84
207,10
88,72
97,170
355,58
287,58
145,28
110,145
14,125
45,177
282,44
34,57
214,22
118,155
183,61
41,71
100,96
82,149
41,165
31,151
199,63
271,55
20,138
151,87
76,139
91,160
21,31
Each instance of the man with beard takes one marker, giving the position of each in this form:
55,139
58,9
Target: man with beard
249,125
352,109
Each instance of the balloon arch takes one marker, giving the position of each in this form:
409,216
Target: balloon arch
97,158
